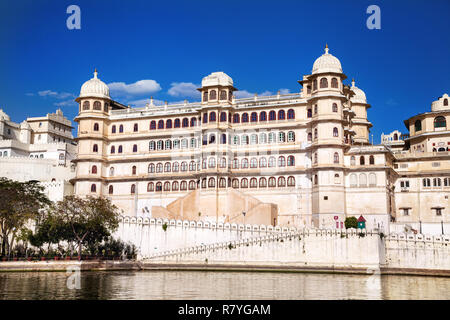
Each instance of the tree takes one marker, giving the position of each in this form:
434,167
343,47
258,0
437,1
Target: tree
90,220
351,222
20,202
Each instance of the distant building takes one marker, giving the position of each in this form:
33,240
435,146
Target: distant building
394,140
41,149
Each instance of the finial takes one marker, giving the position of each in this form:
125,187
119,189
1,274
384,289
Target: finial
326,48
353,82
95,73
151,101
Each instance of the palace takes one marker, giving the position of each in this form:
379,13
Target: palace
300,159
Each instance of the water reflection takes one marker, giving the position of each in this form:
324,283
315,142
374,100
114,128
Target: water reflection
220,285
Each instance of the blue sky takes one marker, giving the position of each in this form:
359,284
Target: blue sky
164,48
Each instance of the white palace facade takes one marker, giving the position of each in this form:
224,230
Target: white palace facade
300,159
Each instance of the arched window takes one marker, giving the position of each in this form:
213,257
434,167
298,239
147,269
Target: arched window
281,137
110,190
236,118
316,136
253,163
426,182
175,185
153,125
281,182
254,117
253,183
291,181
263,116
418,125
175,167
281,161
166,186
235,183
334,83
168,145
222,183
121,128
371,160
335,107
395,137
93,188
113,129
315,84
362,180
291,136
135,127
281,115
111,172
335,132
151,168
183,186
86,105
150,187
185,122
445,102
236,140
176,123
223,116
212,162
169,124
362,160
291,161
262,182
262,162
167,167
245,139
309,136
212,138
244,183
439,122
291,114
223,162
133,170
95,126
158,187
159,168
244,117
262,138
352,160
336,157
97,105
192,185
272,182
212,117
436,182
254,139
161,124
223,139
184,166
212,95
211,183
272,116
244,163
235,164
372,179
95,148
193,122
324,83
205,96
94,169
192,166
272,162
309,114
151,145
223,95
120,149
113,149
272,137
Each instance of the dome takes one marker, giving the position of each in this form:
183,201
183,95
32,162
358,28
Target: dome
4,116
94,88
217,79
360,96
327,63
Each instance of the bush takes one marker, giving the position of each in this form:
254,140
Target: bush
164,226
351,222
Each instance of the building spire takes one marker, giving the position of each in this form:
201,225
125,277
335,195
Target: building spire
95,73
326,48
353,82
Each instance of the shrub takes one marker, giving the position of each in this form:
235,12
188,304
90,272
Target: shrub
351,222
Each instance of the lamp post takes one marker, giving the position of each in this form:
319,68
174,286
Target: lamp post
420,226
442,226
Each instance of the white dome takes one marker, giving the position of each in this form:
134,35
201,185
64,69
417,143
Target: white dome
360,96
94,88
217,79
327,63
4,116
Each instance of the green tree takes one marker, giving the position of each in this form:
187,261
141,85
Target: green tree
90,220
20,202
351,222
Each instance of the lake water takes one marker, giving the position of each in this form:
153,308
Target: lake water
220,285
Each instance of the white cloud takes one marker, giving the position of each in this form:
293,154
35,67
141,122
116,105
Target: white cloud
391,102
285,91
184,89
137,88
245,94
142,102
65,103
54,94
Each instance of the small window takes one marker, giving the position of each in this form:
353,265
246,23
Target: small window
95,126
323,83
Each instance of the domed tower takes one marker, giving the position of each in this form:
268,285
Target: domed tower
94,103
325,107
360,124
